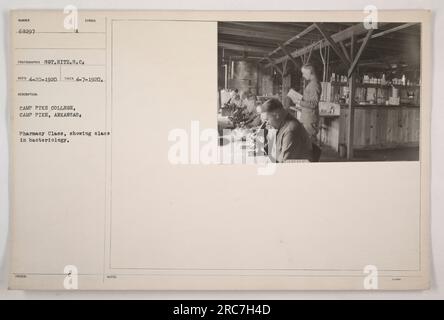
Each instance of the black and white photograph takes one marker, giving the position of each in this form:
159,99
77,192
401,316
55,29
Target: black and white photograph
330,92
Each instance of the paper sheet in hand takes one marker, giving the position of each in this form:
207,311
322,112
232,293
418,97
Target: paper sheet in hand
294,96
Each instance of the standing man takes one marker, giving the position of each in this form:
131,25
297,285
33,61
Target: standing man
309,103
292,140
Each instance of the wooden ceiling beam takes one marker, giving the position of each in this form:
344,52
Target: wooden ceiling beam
284,28
293,39
332,44
345,34
255,42
344,50
265,26
252,34
242,48
296,63
388,31
360,51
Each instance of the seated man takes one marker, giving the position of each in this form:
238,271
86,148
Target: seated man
292,140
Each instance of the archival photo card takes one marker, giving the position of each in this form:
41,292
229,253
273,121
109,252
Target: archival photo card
219,150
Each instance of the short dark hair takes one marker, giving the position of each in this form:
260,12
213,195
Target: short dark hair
271,105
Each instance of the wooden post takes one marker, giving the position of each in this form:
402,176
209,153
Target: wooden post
275,66
226,76
351,109
344,50
286,84
361,50
258,78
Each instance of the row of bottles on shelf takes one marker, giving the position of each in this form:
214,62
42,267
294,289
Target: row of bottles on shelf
338,78
366,79
391,95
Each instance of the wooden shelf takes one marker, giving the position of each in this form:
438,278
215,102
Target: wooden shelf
375,85
357,105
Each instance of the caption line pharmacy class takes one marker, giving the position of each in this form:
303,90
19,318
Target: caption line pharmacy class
370,79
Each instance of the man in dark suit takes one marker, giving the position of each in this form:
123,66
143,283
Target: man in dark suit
292,140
